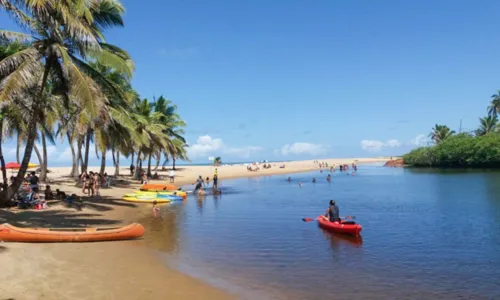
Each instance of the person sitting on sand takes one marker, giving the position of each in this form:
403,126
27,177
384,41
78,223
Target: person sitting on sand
332,213
49,195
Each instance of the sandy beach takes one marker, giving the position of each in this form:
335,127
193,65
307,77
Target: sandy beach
112,270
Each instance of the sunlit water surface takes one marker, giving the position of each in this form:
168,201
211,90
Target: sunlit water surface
426,235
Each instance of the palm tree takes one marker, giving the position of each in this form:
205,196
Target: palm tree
218,161
494,107
440,133
64,37
487,124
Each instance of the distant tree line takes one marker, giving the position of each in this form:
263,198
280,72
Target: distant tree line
479,148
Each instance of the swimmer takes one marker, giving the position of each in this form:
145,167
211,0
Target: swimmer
300,184
314,180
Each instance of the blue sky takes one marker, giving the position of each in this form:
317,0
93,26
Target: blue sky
309,79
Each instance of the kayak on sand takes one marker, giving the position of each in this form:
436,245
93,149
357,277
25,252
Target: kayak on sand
344,227
9,233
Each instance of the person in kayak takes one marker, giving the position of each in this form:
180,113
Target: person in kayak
332,213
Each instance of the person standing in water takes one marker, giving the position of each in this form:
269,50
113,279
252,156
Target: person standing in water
199,184
332,213
328,178
216,178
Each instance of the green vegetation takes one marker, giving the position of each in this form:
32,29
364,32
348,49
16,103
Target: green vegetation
218,161
60,79
480,148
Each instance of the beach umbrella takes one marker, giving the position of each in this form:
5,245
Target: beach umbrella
12,165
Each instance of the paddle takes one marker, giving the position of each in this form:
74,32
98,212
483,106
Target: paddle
311,219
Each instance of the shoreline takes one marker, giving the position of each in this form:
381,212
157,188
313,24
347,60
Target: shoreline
117,270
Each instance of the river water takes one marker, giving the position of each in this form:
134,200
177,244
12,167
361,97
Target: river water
426,235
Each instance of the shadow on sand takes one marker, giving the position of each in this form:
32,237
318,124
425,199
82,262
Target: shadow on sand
54,217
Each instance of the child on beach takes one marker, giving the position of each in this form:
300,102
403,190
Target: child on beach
155,207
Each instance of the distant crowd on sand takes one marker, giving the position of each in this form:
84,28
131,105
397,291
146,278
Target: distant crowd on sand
256,166
29,196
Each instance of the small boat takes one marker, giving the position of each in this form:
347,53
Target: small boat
344,227
175,193
171,197
145,200
159,187
9,233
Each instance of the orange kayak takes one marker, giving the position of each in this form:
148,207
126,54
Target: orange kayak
9,233
159,187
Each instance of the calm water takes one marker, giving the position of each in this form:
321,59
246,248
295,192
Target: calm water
426,235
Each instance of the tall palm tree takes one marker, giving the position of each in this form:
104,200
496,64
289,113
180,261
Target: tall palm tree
440,133
487,124
494,107
64,37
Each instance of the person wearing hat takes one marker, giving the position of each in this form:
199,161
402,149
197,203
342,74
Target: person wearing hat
332,213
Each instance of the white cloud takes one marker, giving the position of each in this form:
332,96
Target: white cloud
206,146
420,140
375,145
302,148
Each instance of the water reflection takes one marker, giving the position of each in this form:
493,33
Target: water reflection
162,232
337,240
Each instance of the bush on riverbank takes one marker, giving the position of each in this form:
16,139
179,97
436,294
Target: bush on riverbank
461,150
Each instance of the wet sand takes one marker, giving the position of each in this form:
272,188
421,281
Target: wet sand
112,270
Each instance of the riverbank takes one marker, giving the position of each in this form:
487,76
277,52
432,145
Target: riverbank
115,270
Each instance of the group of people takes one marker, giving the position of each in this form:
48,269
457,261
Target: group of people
92,182
200,184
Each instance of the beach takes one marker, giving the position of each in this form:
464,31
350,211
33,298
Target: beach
111,270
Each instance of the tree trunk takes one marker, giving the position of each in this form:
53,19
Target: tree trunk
173,163
43,173
103,162
149,166
38,155
87,149
2,160
113,156
132,161
137,173
6,195
117,165
79,153
157,162
74,159
18,147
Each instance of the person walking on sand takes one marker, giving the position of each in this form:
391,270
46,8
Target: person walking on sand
172,175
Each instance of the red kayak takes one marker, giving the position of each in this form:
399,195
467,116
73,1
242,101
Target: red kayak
344,227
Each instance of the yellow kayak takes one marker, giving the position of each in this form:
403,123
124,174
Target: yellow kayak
178,193
147,200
